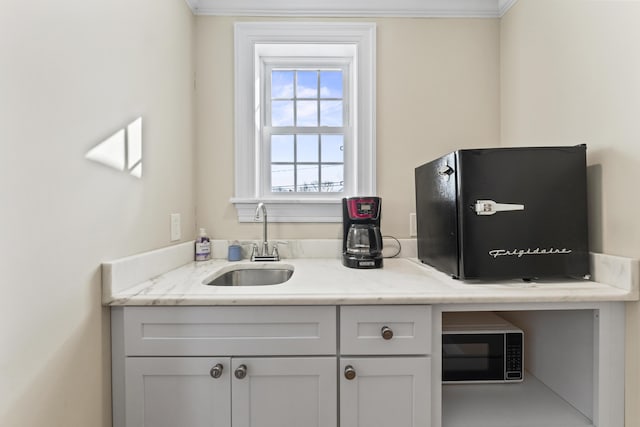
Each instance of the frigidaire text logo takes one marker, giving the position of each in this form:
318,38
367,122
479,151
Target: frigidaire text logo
495,253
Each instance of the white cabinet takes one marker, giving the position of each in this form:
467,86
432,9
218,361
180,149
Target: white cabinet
224,366
228,331
358,366
284,392
385,329
385,368
177,391
385,391
210,392
271,366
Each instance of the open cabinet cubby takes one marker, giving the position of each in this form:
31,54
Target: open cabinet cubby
567,353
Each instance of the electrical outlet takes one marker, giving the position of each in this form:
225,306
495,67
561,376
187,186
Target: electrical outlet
413,227
176,229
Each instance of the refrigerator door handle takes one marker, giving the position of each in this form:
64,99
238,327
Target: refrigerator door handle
490,207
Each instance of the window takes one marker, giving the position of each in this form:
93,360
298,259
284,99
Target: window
306,128
305,118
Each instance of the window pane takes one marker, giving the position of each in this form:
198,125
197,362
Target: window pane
331,84
282,84
307,178
282,113
332,178
307,86
333,148
307,148
330,113
307,112
282,178
300,160
282,148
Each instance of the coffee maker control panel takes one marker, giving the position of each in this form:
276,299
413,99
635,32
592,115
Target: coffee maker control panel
360,208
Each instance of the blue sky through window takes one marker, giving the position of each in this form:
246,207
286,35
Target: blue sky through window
307,161
331,84
316,100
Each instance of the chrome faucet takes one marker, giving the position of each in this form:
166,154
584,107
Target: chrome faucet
263,254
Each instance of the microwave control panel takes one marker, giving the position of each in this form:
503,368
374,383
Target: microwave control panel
513,356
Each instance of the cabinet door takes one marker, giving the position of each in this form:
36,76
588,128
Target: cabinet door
284,392
178,391
385,392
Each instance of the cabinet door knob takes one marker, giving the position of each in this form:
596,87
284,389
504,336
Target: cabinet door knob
241,372
216,371
387,332
349,372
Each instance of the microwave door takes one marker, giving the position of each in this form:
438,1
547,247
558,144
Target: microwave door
472,358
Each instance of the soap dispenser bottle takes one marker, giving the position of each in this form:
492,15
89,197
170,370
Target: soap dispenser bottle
203,246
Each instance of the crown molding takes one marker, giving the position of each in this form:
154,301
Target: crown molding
193,4
354,8
504,6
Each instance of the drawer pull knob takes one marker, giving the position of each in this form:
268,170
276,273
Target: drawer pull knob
241,372
387,332
349,372
216,371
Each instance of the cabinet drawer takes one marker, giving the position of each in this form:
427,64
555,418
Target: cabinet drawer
385,329
226,331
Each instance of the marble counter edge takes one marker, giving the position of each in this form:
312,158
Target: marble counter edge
317,299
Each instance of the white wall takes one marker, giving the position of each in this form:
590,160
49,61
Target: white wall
437,91
570,74
71,74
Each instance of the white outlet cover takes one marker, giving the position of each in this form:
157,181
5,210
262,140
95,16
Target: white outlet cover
176,229
413,227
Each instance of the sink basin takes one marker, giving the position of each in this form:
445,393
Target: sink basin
258,275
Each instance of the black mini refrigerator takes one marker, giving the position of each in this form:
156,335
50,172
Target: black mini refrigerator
504,213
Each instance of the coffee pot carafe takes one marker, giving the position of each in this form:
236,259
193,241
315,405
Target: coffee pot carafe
362,238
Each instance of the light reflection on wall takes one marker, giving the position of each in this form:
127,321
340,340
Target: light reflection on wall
122,150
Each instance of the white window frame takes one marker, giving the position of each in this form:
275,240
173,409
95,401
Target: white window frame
258,42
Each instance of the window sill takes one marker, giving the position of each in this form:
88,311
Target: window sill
285,210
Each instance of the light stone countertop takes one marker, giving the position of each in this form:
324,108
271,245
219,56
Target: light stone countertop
174,280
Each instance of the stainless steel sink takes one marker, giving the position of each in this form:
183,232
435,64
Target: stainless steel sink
252,276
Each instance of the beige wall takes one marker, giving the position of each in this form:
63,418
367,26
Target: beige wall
71,74
570,74
437,90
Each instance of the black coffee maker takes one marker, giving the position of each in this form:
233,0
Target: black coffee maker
362,239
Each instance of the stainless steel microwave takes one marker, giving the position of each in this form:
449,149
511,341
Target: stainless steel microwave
481,347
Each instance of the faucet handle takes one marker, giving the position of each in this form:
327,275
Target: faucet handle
274,252
254,251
